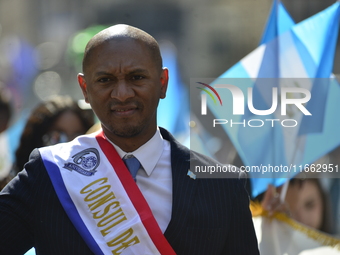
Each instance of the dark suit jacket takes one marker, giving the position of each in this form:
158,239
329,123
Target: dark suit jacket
209,216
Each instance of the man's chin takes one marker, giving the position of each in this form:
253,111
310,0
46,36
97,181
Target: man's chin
127,132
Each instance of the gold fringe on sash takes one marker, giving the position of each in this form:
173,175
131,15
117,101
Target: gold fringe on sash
322,238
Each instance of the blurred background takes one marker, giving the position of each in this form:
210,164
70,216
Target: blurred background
41,41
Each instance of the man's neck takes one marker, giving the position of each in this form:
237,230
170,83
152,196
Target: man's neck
128,144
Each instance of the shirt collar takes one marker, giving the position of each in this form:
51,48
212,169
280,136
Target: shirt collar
148,154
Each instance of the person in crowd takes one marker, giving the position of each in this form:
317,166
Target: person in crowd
305,201
56,120
334,188
5,119
5,109
124,189
312,207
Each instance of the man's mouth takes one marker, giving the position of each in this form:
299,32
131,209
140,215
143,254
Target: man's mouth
125,111
122,110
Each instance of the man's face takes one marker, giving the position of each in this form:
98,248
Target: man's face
123,85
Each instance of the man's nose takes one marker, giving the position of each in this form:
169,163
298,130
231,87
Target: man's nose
122,91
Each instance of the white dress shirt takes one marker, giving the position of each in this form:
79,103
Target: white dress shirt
154,178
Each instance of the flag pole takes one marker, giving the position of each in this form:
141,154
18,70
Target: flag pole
286,184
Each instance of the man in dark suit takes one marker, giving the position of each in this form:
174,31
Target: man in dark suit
123,80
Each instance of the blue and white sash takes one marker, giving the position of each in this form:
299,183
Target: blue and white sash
101,198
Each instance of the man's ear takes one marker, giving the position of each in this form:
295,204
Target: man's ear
82,84
164,82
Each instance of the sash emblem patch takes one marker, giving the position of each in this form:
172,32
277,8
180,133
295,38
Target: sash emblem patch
84,162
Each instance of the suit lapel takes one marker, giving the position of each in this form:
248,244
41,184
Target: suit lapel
183,187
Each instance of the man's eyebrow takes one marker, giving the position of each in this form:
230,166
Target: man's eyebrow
102,73
135,71
139,70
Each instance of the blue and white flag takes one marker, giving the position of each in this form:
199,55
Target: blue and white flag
171,115
300,57
279,21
